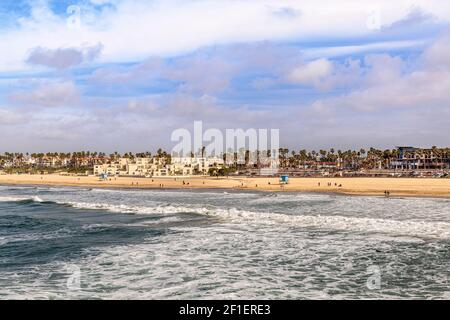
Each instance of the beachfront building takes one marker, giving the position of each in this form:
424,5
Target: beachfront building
196,165
179,169
163,172
410,158
110,169
139,166
149,167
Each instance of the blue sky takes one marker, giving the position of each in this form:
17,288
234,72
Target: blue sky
122,75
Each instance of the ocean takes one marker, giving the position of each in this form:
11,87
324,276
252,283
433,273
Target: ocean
82,243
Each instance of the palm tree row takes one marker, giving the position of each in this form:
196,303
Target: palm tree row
372,158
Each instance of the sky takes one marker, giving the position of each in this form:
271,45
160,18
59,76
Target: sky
122,75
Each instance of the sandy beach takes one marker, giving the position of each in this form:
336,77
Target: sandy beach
357,186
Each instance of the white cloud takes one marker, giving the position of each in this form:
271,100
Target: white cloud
383,69
386,84
47,94
8,117
63,58
345,50
374,98
311,73
201,73
136,29
437,56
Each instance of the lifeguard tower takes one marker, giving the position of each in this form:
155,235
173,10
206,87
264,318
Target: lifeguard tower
284,179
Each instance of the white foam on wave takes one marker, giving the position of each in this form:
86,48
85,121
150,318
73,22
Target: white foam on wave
300,197
14,199
36,236
157,209
411,228
15,187
176,192
421,229
107,190
63,189
3,241
17,199
37,199
168,219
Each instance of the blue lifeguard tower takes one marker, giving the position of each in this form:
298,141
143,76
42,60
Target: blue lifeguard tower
284,179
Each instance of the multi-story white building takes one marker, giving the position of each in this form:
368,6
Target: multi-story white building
184,166
201,165
110,169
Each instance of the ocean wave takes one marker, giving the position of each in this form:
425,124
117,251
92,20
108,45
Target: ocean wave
179,192
15,187
414,228
21,199
120,208
421,229
63,189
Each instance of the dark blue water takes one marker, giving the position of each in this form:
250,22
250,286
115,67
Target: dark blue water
71,243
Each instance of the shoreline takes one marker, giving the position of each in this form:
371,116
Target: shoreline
397,187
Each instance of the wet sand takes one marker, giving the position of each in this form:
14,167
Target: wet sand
418,187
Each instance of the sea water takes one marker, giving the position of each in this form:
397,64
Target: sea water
82,243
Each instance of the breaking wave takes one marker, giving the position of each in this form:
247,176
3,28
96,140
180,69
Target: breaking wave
421,229
414,228
21,199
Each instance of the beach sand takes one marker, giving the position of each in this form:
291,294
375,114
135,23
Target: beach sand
419,187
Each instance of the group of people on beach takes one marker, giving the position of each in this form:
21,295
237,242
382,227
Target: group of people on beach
330,184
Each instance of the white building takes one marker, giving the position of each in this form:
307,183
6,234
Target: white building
110,169
201,165
181,166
